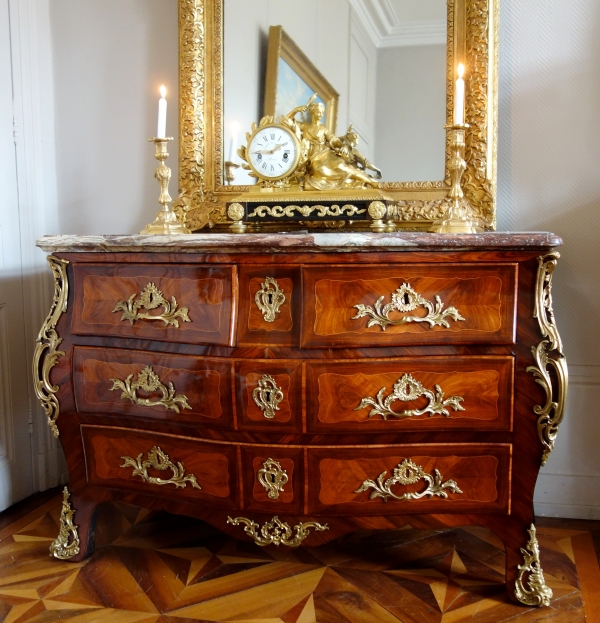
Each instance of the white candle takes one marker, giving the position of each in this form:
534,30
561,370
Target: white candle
161,131
459,97
234,128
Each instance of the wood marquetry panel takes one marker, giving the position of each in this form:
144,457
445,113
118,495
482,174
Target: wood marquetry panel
253,328
204,382
287,376
484,295
208,294
336,390
256,497
481,472
214,466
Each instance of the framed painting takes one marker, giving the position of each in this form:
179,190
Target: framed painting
292,79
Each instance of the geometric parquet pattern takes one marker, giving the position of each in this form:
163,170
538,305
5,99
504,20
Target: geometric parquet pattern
158,568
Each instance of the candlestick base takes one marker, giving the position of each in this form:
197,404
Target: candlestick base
165,224
459,219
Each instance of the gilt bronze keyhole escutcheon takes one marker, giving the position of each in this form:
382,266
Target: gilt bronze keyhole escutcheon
273,478
267,396
269,299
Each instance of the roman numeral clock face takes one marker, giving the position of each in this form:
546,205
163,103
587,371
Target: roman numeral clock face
274,152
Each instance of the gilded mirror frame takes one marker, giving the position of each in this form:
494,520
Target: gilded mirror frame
472,39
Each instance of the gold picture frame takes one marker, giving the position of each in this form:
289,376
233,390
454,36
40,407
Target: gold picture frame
472,38
283,47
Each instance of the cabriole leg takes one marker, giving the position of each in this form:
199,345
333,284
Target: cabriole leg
75,540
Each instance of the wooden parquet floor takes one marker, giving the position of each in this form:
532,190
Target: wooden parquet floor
159,568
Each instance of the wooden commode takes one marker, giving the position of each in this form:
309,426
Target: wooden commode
292,388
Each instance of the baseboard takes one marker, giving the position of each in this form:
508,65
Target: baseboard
560,495
567,511
584,375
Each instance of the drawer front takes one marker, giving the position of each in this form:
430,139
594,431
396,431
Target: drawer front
409,304
428,478
273,479
152,385
162,465
270,305
186,304
409,394
269,395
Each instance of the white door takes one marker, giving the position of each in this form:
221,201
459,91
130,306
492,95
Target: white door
16,474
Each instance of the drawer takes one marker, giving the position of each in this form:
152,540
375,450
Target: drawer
270,306
273,479
269,395
427,478
152,385
382,306
410,394
166,466
186,304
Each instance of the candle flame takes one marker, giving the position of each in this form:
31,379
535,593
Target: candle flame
461,70
163,91
235,127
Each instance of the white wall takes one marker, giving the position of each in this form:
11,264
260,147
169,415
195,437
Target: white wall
110,58
549,166
549,178
410,138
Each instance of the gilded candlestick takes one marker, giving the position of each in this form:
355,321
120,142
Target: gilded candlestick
460,217
230,168
166,221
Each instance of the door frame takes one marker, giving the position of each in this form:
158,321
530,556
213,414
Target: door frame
33,93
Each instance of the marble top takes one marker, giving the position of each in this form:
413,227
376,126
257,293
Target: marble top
296,241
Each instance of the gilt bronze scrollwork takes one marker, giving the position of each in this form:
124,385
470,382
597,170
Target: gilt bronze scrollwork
530,587
152,298
148,381
277,532
66,544
273,478
267,396
306,210
406,389
551,414
408,473
404,300
160,461
46,353
269,299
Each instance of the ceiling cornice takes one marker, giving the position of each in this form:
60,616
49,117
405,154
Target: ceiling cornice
382,25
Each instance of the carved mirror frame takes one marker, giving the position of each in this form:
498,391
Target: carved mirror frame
472,39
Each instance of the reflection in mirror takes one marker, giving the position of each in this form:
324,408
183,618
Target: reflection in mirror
385,59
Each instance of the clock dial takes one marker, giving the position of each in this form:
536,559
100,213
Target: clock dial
273,152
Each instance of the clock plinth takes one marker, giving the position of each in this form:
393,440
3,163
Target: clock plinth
292,208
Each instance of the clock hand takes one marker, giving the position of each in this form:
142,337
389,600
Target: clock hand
278,146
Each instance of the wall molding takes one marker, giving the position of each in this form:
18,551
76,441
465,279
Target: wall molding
386,31
364,127
584,375
31,47
554,492
7,448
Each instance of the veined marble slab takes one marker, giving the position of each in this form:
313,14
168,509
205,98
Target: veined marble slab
294,242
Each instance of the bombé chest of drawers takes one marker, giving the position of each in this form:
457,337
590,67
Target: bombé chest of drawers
291,388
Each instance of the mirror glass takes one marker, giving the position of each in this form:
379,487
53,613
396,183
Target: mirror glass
385,61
